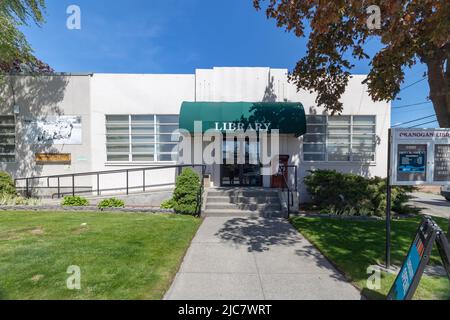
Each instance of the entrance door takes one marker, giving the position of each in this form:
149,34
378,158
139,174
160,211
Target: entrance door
243,173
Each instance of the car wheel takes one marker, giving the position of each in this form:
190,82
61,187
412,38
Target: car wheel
448,198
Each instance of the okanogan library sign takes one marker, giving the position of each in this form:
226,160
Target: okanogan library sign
416,157
420,157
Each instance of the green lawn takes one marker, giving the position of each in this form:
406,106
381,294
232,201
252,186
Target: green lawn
121,256
355,245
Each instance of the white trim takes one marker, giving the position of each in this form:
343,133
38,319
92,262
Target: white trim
140,164
350,134
342,163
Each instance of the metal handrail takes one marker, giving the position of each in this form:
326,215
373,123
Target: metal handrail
81,174
100,173
295,176
290,193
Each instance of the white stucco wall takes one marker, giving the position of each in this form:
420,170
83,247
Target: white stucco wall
271,85
39,98
136,94
95,96
356,101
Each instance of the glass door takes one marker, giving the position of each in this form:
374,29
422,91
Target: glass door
243,173
230,172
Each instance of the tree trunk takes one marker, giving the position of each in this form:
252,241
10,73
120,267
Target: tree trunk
439,80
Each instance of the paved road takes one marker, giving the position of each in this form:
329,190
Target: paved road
432,204
256,259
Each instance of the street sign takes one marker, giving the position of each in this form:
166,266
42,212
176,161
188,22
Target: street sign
419,157
417,259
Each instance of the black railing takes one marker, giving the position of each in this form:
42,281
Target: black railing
98,190
284,172
295,187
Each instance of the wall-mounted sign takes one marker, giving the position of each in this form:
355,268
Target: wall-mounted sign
55,130
239,126
53,158
412,162
420,156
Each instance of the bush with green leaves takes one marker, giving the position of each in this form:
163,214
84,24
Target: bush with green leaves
76,201
111,203
351,194
7,186
168,204
13,200
187,195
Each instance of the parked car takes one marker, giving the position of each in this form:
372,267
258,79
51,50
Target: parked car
445,191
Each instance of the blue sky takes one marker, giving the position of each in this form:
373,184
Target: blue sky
178,36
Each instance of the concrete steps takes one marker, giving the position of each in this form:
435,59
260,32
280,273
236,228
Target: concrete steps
238,202
242,206
243,213
246,200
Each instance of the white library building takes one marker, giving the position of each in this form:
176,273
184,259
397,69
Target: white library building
65,124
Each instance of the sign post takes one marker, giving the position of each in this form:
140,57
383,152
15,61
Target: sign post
388,206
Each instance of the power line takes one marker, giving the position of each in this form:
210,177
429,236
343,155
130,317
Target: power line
411,110
412,105
414,83
398,125
422,124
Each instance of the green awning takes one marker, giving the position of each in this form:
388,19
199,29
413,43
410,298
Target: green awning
288,118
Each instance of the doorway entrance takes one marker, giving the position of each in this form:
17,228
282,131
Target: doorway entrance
241,164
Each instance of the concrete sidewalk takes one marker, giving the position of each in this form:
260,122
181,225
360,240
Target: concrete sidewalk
256,259
432,204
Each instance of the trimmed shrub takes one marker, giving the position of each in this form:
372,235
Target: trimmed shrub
7,184
74,201
187,194
350,194
12,200
111,203
168,204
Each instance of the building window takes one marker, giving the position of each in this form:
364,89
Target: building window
141,138
7,139
340,138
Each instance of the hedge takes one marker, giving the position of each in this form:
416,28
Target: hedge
351,194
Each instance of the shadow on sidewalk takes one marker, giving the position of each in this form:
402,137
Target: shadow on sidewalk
259,234
270,235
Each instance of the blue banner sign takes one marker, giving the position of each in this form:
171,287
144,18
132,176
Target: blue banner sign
408,272
412,162
418,256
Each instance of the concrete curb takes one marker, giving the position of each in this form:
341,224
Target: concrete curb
330,216
86,209
354,218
